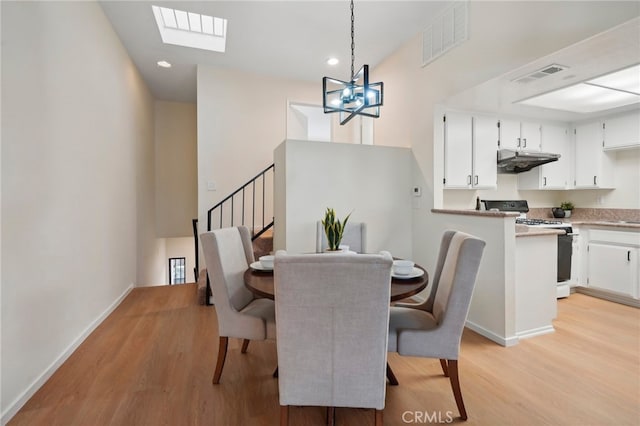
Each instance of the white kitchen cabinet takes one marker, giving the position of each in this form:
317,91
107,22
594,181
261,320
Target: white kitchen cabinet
613,268
555,175
594,167
622,131
519,135
470,151
485,147
613,262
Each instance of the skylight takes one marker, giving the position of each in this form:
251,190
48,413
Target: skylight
609,91
191,29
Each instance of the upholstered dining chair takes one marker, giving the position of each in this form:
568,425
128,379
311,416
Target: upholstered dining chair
228,253
433,329
332,316
355,236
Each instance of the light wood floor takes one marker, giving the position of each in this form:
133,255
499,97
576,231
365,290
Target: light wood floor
151,363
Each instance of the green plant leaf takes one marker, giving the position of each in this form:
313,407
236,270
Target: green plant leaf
333,228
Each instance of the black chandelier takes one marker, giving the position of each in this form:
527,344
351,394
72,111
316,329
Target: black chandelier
354,97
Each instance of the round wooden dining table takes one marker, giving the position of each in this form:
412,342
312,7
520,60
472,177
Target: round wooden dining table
261,284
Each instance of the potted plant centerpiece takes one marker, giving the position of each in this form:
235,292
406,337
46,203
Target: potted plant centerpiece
567,206
333,229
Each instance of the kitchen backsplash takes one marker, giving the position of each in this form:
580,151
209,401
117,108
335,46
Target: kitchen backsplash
589,214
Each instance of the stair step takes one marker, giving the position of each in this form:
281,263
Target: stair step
263,245
202,287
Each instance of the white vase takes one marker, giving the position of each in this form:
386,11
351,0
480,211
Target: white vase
567,213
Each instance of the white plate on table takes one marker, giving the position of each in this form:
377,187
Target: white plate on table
257,266
415,273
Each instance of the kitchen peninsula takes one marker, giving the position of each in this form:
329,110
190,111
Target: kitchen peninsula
514,296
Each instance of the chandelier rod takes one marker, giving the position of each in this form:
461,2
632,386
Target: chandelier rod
353,44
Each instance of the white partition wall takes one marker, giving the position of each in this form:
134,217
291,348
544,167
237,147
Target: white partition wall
492,312
372,182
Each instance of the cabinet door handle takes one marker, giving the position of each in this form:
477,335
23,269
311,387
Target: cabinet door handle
476,180
628,255
545,181
518,142
468,179
524,140
595,180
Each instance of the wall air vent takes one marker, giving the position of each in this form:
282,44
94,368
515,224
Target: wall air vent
541,73
447,30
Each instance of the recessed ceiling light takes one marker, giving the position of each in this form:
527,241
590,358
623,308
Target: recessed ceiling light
332,61
164,64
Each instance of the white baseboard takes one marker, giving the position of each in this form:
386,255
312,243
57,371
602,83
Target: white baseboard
535,332
610,296
17,404
503,341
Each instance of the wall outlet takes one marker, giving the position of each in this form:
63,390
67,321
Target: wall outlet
211,185
599,199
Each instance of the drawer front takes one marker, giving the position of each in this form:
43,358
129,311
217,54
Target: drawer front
616,237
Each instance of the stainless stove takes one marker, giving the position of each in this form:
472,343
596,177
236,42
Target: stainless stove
564,240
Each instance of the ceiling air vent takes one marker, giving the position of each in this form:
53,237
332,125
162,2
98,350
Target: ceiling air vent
541,73
447,30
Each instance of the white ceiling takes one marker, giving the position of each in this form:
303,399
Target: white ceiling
603,53
289,39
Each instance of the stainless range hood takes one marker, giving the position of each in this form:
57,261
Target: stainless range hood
512,161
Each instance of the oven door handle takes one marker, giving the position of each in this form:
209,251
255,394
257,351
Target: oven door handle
571,234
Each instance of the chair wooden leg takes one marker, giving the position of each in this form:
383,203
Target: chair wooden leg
222,355
455,386
378,418
245,345
284,415
445,370
331,416
392,377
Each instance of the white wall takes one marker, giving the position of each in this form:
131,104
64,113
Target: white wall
1,287
492,311
372,182
176,166
242,117
502,36
77,185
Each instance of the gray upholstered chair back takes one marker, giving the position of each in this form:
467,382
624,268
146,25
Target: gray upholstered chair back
332,315
455,278
442,255
434,328
228,253
355,236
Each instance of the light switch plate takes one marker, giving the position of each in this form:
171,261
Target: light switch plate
211,185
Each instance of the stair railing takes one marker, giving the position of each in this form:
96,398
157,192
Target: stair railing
232,215
196,270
